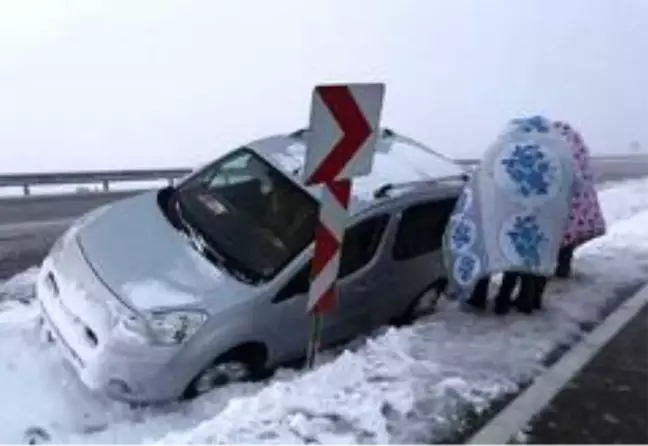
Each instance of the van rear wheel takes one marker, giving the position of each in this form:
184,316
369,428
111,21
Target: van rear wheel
423,305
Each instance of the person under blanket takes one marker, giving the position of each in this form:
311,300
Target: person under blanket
511,216
586,221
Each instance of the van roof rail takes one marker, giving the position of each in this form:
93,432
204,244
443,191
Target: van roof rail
383,191
388,133
298,134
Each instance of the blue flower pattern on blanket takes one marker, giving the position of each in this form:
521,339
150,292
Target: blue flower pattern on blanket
535,123
527,237
529,170
465,268
461,234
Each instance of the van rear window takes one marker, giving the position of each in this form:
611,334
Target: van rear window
421,228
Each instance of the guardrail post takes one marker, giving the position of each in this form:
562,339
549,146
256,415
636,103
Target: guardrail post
26,189
106,185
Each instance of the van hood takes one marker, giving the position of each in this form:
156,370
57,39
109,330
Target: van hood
148,264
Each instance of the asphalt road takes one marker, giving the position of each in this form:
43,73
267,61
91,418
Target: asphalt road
43,208
29,226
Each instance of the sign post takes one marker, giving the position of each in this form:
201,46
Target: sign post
344,125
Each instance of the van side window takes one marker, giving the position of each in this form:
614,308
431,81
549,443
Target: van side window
361,242
296,286
421,228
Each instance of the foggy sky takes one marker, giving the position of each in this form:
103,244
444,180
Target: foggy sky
88,84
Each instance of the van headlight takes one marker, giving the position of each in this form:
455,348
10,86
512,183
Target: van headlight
132,327
175,327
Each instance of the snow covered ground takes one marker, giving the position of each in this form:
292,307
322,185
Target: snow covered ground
401,385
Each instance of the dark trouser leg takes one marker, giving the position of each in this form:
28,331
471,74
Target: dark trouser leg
563,269
503,299
525,297
479,296
540,285
531,290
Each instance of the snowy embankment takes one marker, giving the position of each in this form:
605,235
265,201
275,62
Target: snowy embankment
402,385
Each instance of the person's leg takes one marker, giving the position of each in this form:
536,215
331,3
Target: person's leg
569,258
441,285
540,286
503,298
526,295
563,269
479,296
532,289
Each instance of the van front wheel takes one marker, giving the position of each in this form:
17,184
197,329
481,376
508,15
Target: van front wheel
239,365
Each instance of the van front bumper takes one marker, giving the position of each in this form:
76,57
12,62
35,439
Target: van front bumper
83,326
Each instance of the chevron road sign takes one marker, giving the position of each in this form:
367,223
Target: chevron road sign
344,125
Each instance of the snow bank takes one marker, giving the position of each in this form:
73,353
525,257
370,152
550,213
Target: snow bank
17,290
414,384
623,200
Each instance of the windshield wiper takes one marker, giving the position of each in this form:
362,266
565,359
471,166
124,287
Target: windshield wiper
187,228
221,261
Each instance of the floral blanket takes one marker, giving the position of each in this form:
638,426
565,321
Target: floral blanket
586,220
514,210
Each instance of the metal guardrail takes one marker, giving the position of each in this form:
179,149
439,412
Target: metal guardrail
26,180
605,165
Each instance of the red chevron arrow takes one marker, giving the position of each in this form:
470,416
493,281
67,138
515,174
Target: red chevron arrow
326,244
355,131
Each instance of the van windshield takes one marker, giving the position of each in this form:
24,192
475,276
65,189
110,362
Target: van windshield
249,212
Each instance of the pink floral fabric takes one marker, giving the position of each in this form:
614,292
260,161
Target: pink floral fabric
586,220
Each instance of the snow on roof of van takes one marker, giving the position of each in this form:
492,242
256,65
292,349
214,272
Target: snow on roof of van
398,160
